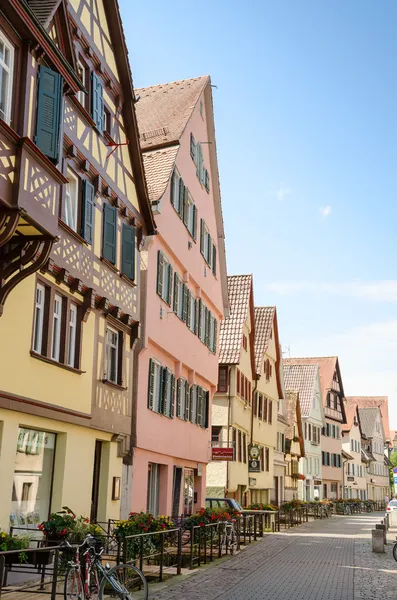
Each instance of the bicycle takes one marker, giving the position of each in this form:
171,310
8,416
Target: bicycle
229,538
98,582
395,550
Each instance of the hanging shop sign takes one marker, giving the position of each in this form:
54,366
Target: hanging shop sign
222,453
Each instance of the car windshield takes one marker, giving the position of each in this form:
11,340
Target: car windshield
234,504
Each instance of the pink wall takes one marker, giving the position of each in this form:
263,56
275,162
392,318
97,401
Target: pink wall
161,439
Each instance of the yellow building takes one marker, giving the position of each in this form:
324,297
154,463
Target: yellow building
73,211
244,409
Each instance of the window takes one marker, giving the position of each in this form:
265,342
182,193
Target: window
107,121
97,105
216,435
109,238
183,203
72,334
192,313
260,406
222,379
270,412
49,106
190,215
164,278
240,447
113,369
161,391
38,319
267,459
244,448
178,296
205,242
245,342
6,78
56,326
334,488
71,200
153,489
82,73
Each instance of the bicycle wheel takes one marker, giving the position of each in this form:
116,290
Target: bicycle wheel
73,589
395,551
125,582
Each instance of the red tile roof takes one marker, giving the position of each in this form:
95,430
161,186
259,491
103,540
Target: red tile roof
164,110
231,329
351,412
264,318
326,365
301,378
158,168
372,402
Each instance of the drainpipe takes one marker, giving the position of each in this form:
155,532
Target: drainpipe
229,419
252,422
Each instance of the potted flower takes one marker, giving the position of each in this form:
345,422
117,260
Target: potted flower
20,543
58,526
142,523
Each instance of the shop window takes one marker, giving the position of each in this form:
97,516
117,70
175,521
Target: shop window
31,496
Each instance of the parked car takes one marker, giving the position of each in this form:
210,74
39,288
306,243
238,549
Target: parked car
223,503
392,506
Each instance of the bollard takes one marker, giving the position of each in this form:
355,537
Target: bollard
383,529
388,521
378,541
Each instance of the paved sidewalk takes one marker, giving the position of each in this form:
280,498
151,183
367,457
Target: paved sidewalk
323,560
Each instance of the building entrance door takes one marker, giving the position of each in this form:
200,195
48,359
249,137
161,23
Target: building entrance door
276,494
95,481
176,491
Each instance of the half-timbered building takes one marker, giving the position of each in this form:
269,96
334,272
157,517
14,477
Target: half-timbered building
74,212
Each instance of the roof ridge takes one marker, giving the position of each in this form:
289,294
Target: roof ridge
148,87
310,357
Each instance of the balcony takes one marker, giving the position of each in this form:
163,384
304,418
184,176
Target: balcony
30,189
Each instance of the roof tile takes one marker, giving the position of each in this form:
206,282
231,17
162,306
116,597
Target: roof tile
301,378
264,316
231,329
158,168
376,401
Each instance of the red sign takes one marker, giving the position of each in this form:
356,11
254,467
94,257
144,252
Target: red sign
222,453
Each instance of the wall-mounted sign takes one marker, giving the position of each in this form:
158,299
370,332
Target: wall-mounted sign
254,466
254,452
350,479
251,481
222,454
317,482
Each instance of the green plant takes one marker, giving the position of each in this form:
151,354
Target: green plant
205,516
138,523
65,524
17,542
260,506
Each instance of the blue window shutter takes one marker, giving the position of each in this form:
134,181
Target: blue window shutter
151,384
97,108
128,251
49,102
109,233
87,218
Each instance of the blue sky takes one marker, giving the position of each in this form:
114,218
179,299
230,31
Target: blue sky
305,110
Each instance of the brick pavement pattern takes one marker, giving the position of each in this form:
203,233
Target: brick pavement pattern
323,560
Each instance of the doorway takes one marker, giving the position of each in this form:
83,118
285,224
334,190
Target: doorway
325,490
276,494
176,491
95,481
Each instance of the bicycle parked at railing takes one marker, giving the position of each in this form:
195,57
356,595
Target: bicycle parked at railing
90,580
229,538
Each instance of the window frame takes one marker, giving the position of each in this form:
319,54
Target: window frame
70,173
56,318
45,352
41,307
81,96
118,370
10,70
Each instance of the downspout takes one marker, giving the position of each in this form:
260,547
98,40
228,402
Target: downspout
252,410
229,418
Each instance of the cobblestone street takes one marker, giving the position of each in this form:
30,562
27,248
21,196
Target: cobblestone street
322,560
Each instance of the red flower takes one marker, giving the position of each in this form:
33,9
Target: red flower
146,529
163,525
41,527
86,520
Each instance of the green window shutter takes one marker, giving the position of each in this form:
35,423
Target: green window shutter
160,273
193,404
186,207
214,259
208,319
187,401
215,334
172,407
192,148
49,103
87,217
200,310
150,398
173,183
128,251
179,392
206,410
208,252
97,106
199,161
185,303
170,276
109,233
181,198
189,310
194,222
197,318
202,236
176,295
164,390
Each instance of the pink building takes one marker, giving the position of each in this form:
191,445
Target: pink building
184,297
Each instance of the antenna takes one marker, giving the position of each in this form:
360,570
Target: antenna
287,349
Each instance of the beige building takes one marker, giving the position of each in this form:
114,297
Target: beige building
244,409
294,445
378,482
355,460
